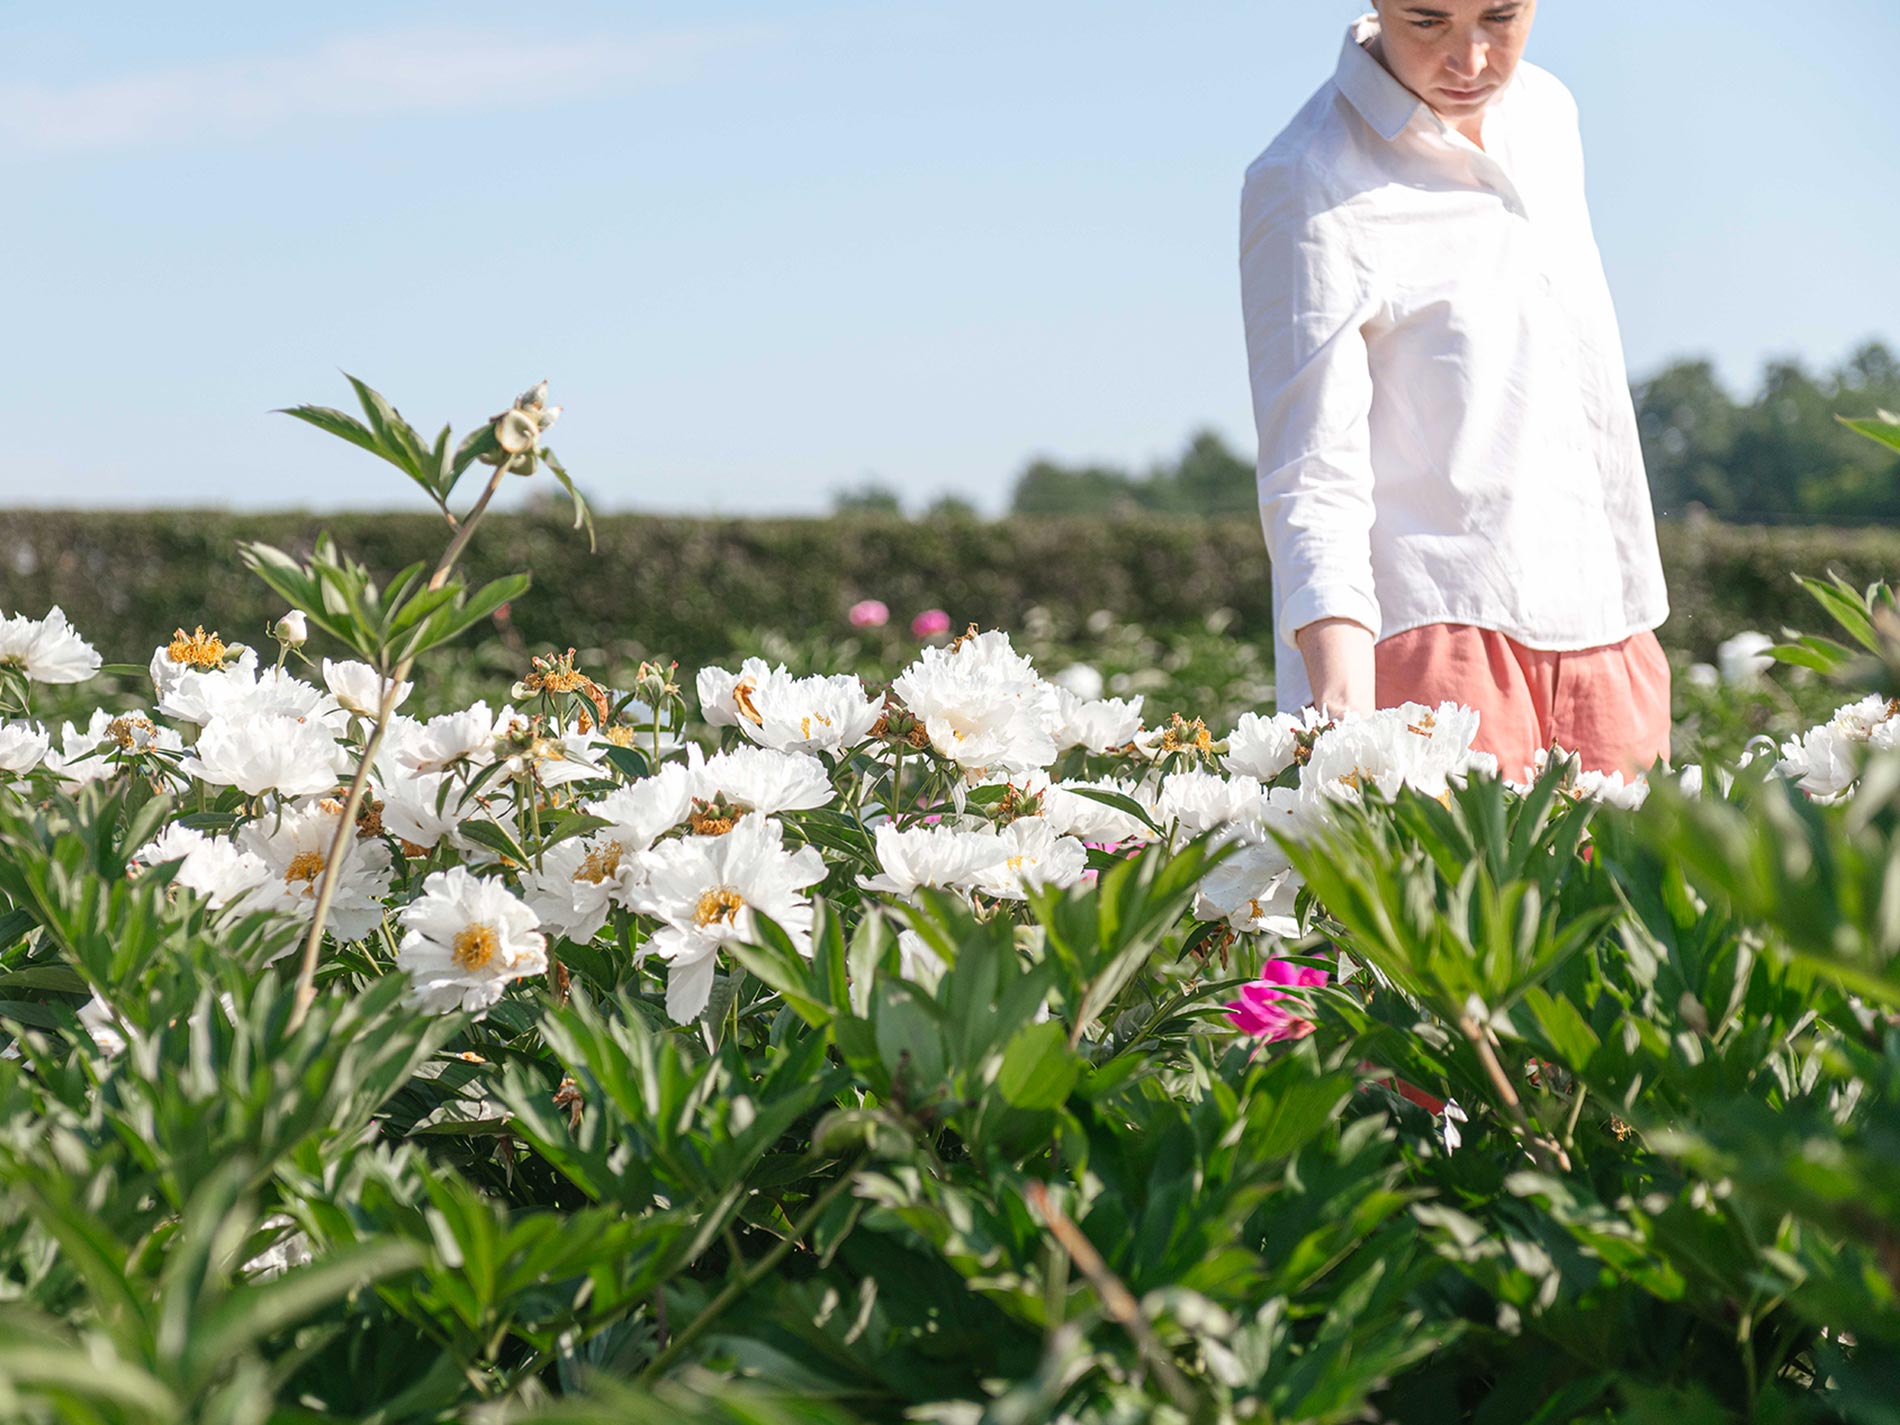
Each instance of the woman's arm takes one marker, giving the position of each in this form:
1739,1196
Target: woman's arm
1307,298
1339,667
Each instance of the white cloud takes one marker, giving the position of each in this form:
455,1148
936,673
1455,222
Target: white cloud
400,72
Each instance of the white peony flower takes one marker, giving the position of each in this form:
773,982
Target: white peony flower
294,847
100,748
1095,726
579,882
1080,681
762,780
358,688
982,705
1410,745
1744,658
1197,801
1825,760
46,650
466,938
174,843
1072,814
708,891
221,871
827,714
1034,856
644,811
726,699
23,746
940,857
551,761
270,752
1253,890
1264,747
466,736
191,674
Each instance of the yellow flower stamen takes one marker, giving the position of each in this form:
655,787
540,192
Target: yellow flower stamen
475,947
305,866
602,864
1184,736
197,649
720,903
131,731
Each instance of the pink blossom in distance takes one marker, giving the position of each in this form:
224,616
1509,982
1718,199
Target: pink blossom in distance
869,613
1260,1010
931,623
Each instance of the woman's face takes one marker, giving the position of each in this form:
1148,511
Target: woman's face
1454,54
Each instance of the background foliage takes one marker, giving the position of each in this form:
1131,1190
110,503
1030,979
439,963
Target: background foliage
694,589
1777,457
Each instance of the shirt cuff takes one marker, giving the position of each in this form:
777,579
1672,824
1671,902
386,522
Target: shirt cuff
1327,598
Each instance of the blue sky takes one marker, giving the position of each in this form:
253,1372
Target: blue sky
766,250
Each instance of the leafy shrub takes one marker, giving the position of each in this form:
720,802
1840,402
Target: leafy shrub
1591,1114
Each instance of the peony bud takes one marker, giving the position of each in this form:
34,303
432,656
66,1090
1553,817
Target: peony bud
516,432
292,630
869,613
931,623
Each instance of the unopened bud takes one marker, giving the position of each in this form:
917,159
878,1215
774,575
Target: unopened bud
534,398
516,432
292,630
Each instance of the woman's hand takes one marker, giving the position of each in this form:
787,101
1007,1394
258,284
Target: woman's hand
1339,666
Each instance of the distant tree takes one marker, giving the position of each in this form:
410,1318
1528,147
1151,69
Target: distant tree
1207,479
1210,479
1780,456
1046,488
1687,423
871,497
1793,459
950,507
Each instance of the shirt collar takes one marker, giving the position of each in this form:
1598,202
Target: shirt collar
1381,100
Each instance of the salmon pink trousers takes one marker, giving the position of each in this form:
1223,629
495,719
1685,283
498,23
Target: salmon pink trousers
1610,704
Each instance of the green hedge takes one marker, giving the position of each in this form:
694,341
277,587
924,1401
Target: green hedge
684,586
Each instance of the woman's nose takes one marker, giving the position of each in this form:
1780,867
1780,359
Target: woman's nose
1467,61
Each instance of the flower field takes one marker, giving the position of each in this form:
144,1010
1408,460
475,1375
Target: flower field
921,1025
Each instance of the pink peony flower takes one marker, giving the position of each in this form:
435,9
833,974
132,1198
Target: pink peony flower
931,623
1259,1010
869,613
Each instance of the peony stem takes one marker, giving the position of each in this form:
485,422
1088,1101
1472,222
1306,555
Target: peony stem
1118,1303
1548,1155
346,824
738,1285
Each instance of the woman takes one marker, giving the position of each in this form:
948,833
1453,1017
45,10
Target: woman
1451,487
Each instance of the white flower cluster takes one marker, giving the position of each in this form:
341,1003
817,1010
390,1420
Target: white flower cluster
1825,761
515,828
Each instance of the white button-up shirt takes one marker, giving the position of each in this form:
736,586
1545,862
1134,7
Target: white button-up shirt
1446,431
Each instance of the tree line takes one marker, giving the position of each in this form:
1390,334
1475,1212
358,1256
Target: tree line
1778,457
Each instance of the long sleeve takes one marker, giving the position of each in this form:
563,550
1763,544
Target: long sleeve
1306,300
